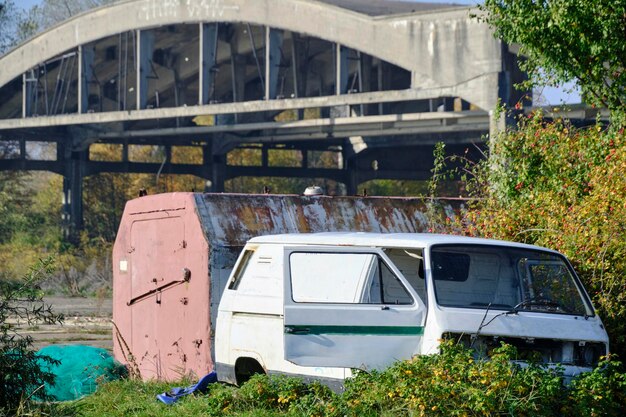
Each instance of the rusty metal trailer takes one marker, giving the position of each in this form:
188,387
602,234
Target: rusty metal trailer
174,252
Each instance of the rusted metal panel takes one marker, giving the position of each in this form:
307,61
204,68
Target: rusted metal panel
232,219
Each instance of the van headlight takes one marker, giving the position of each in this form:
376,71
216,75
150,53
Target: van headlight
589,353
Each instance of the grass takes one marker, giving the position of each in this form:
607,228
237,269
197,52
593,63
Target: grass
135,398
452,383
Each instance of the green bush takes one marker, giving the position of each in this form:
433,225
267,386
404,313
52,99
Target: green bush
281,394
598,393
452,383
550,184
21,374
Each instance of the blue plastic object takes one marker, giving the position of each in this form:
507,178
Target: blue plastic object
174,394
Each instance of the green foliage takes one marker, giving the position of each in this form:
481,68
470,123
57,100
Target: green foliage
597,393
452,383
568,39
15,25
51,12
8,12
394,187
434,210
564,188
455,384
281,157
21,376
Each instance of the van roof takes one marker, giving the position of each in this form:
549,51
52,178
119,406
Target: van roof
405,240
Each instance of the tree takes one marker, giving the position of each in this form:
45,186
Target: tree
563,40
51,12
7,25
16,25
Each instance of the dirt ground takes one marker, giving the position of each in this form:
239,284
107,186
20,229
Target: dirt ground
87,322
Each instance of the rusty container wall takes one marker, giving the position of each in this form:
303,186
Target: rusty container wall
166,321
232,219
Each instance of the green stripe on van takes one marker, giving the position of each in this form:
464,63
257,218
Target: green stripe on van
356,330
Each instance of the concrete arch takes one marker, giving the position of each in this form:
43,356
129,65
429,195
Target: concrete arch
443,49
381,90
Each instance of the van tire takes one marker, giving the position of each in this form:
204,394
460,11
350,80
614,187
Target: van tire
245,368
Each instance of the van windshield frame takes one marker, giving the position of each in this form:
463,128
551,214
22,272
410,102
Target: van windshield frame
507,278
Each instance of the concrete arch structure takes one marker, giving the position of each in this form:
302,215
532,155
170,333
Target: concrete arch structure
385,80
432,46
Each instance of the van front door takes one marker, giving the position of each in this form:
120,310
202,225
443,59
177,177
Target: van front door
350,308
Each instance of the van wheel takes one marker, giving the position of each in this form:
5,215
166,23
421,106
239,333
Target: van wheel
245,368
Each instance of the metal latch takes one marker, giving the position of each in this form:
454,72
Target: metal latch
186,278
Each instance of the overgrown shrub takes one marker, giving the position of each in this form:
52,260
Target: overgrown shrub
598,393
452,383
554,185
21,376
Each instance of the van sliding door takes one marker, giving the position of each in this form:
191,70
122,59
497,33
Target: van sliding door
349,308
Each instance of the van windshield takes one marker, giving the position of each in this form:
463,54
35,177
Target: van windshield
505,278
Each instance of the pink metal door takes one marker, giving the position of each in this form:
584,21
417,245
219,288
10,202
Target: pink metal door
158,292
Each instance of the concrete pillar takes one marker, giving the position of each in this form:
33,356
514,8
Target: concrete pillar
29,92
218,163
72,216
352,174
342,70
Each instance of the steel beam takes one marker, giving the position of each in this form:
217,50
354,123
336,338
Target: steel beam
97,167
470,121
28,165
257,171
85,77
208,58
273,57
145,48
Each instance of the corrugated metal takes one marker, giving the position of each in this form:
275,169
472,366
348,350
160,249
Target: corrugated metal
232,219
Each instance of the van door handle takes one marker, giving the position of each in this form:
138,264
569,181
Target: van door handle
384,308
297,330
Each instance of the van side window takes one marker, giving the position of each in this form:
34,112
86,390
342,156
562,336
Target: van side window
410,262
354,278
240,269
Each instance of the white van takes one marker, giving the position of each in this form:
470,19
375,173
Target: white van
319,305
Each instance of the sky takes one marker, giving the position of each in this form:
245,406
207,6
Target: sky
544,96
26,4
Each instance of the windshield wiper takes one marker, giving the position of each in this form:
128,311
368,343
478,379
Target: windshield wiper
537,302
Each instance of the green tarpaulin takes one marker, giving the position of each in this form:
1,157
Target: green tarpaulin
81,370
